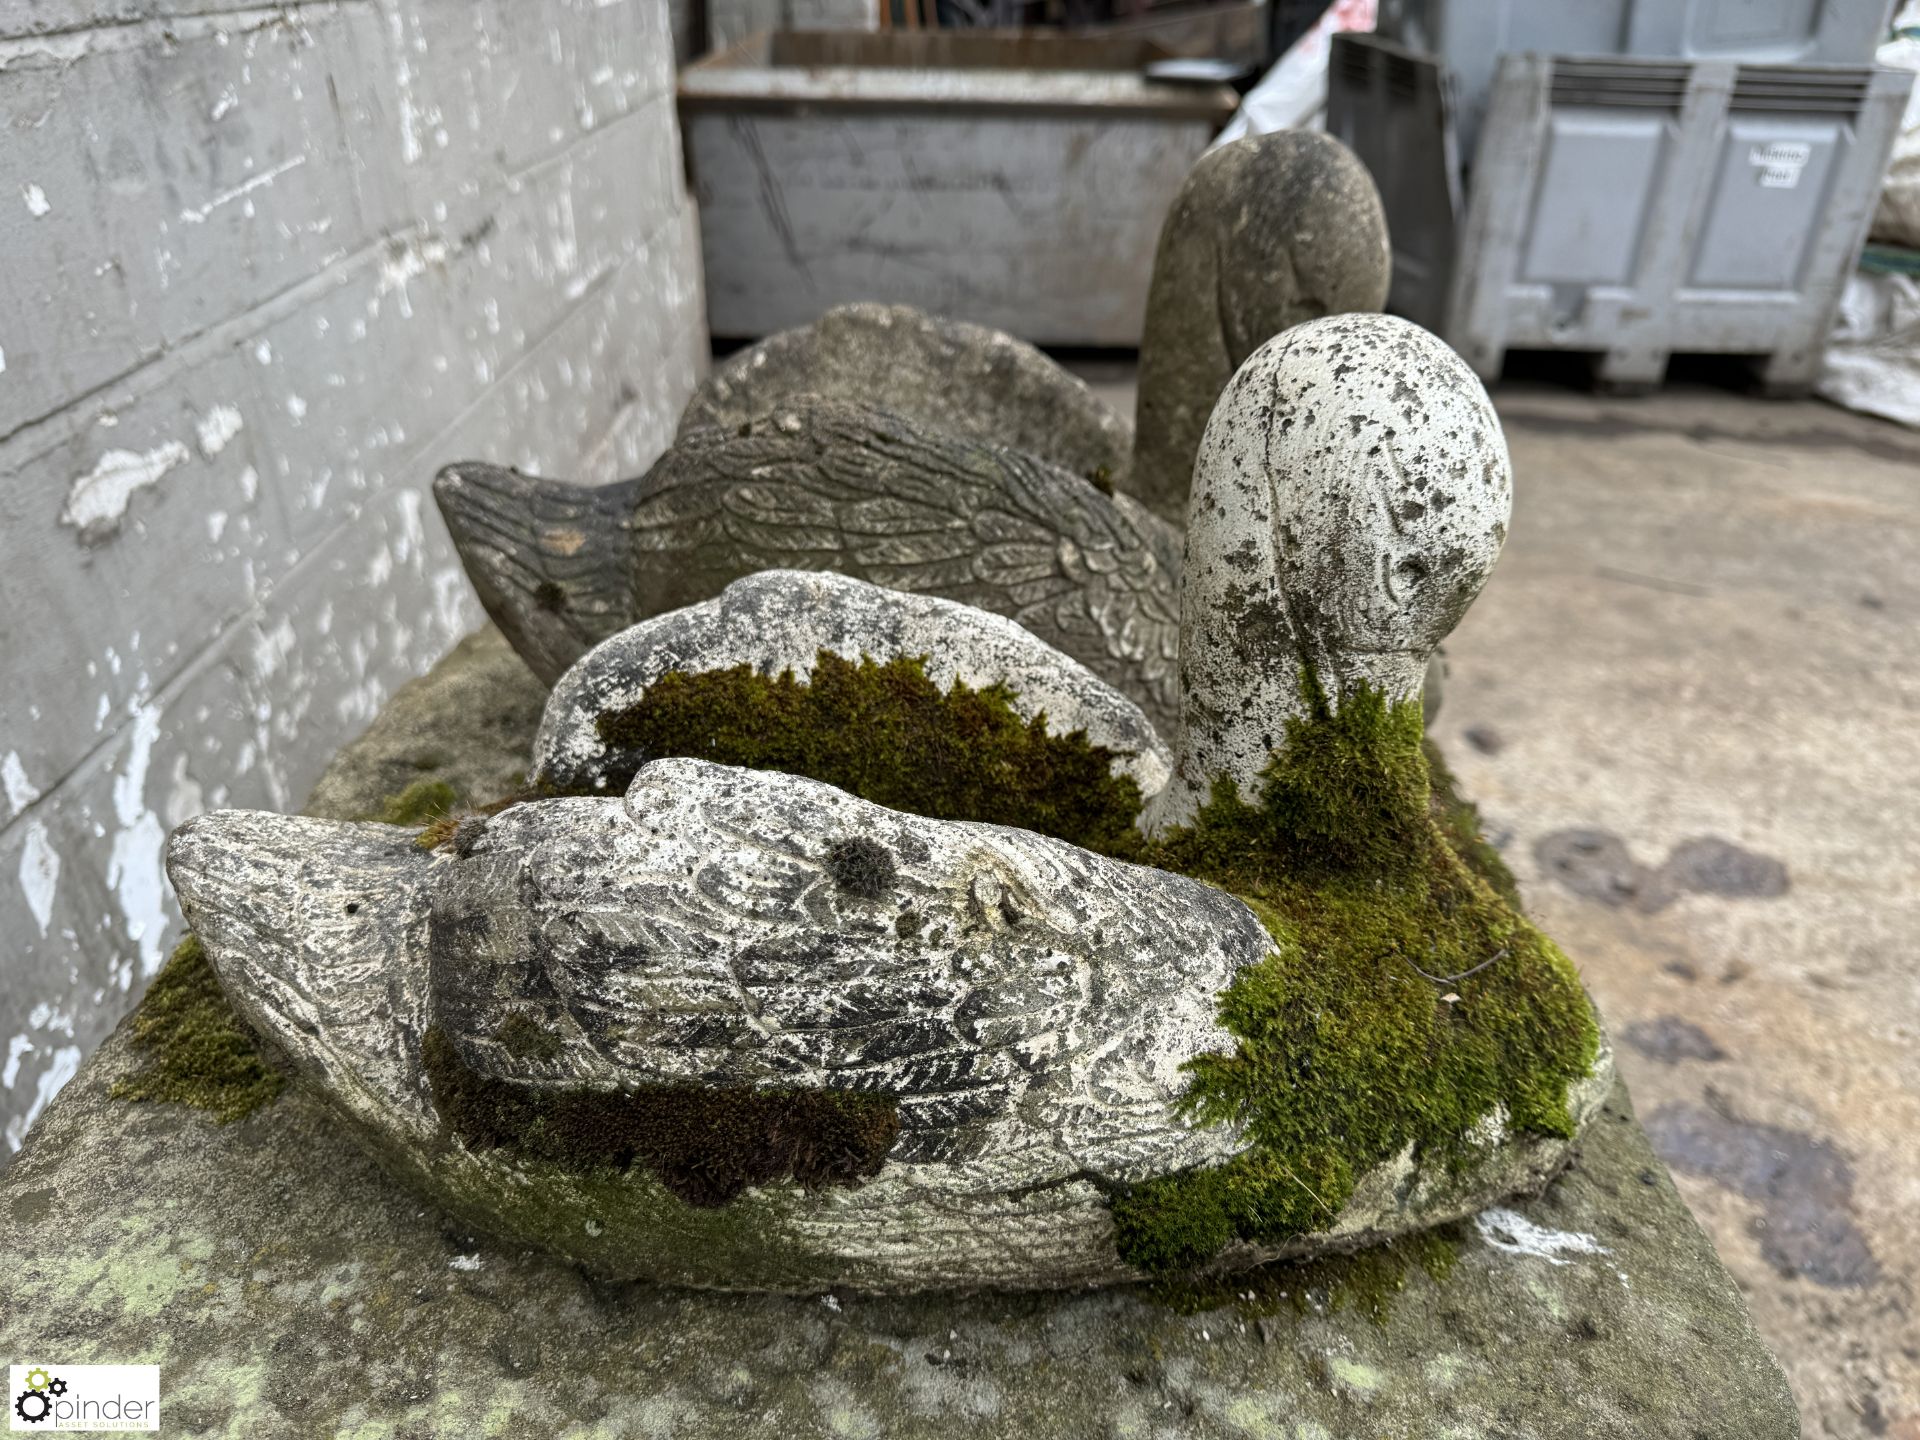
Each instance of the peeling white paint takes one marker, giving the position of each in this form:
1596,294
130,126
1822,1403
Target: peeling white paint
98,499
65,1061
185,798
412,534
44,1017
134,872
21,792
228,99
1512,1233
296,407
403,263
39,873
450,602
218,426
36,198
16,1047
403,77
216,525
271,648
198,215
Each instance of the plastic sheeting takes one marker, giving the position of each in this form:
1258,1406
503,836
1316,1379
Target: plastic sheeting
1897,221
1293,94
1873,359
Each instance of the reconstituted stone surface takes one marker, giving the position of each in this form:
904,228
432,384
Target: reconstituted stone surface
1344,541
697,936
287,1287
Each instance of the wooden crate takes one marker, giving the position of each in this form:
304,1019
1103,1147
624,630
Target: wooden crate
1016,179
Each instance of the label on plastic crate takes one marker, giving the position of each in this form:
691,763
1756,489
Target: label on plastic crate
1778,164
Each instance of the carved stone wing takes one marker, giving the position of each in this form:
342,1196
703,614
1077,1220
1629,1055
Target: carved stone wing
1028,1004
827,484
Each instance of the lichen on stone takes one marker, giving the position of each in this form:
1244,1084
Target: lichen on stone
195,1049
862,867
1405,1000
884,731
704,1143
525,1038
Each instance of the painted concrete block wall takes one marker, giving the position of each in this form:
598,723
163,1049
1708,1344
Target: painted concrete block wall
262,271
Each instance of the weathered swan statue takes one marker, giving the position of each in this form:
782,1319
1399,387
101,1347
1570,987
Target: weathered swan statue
743,1029
944,458
826,485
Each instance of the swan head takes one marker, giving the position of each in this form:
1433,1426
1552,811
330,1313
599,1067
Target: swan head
1351,494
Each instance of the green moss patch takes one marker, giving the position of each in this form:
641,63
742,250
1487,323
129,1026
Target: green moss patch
195,1050
1459,820
885,732
704,1143
421,803
1405,997
1366,1281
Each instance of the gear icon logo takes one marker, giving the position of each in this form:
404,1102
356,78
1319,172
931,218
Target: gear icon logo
33,1406
35,1402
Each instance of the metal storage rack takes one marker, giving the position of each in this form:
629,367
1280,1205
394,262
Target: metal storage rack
1629,208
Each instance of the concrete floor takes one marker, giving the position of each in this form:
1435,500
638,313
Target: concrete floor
1706,627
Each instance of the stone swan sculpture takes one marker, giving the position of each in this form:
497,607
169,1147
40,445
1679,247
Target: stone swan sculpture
743,1029
826,485
779,622
946,458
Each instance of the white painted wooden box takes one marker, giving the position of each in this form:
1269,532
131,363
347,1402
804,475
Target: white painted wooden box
1015,180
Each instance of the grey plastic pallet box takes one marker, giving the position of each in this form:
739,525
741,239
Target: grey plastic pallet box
1628,208
1468,37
